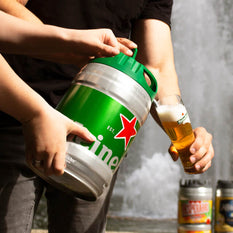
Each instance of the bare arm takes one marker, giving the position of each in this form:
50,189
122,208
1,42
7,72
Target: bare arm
56,43
17,8
155,51
53,43
45,129
40,121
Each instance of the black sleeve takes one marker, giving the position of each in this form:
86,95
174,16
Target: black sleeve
158,9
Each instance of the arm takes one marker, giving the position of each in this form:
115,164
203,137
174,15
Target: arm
155,51
56,43
40,121
28,35
17,8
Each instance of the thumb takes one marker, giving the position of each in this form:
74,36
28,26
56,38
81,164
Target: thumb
77,129
173,152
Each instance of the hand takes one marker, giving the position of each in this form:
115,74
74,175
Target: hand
83,45
45,138
201,150
126,46
58,44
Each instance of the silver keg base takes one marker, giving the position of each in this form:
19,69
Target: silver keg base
86,176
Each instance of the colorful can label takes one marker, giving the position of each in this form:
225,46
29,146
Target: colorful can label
224,214
193,212
113,125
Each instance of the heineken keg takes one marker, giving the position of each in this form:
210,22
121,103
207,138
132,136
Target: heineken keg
195,202
224,206
111,98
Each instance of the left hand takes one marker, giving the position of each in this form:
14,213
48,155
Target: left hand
201,150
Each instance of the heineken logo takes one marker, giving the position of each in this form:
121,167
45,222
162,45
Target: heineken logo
128,131
184,116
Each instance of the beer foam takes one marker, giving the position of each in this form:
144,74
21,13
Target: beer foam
171,113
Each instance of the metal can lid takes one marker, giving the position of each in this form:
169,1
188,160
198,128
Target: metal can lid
225,184
194,183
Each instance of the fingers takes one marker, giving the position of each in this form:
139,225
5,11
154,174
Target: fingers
206,162
47,153
77,129
48,162
202,150
110,46
113,46
108,51
126,46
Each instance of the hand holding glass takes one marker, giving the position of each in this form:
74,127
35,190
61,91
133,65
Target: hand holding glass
176,123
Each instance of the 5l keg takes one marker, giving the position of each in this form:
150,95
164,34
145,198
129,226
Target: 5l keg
111,98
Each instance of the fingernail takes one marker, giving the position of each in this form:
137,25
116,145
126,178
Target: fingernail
192,150
198,167
133,45
129,52
115,50
193,159
91,137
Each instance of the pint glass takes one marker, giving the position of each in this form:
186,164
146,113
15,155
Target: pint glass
176,123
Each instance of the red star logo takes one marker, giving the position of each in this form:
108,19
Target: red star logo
128,130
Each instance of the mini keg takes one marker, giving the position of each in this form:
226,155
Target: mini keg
111,98
195,202
224,206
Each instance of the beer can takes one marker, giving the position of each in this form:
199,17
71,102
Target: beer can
224,206
111,98
194,228
195,202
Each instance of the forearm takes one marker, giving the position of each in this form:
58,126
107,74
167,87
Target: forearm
18,36
155,51
16,97
17,8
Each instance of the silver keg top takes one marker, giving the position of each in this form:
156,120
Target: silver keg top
224,188
195,189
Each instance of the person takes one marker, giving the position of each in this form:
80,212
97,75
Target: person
22,102
19,36
147,23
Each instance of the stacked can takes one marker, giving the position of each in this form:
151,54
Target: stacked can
224,206
195,206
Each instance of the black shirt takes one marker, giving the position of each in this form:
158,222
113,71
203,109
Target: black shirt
52,80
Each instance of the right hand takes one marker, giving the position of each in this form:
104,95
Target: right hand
45,138
201,150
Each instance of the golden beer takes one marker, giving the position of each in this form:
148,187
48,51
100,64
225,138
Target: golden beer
176,123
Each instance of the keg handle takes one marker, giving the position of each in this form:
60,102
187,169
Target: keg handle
135,52
153,84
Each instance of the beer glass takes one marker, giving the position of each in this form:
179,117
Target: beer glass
176,123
